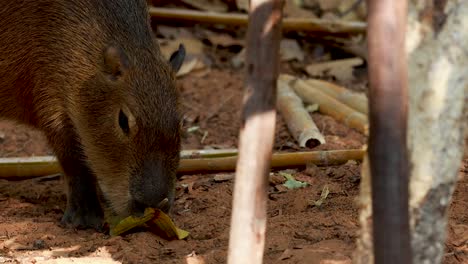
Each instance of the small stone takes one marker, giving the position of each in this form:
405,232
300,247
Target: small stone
39,244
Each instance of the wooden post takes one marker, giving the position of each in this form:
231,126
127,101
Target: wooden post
248,223
437,127
388,128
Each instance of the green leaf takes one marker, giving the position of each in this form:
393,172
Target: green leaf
292,183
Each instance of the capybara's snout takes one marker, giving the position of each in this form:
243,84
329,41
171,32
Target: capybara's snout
152,186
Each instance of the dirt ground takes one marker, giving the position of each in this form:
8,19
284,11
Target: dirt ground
297,232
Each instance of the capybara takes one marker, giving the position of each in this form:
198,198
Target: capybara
90,75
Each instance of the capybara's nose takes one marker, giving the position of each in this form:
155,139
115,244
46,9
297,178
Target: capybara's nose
137,208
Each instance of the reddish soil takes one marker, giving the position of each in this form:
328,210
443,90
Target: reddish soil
297,231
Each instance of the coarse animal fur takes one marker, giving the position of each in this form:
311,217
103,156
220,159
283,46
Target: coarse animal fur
90,75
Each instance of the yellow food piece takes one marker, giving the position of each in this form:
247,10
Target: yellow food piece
163,226
157,221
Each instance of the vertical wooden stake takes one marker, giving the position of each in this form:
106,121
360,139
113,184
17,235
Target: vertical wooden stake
248,223
388,128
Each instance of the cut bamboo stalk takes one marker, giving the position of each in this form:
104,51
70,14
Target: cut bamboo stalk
32,167
300,124
207,153
351,99
28,167
289,24
279,160
330,106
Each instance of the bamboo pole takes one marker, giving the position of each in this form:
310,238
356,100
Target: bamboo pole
354,100
332,107
289,24
300,124
248,222
279,160
28,167
32,167
207,153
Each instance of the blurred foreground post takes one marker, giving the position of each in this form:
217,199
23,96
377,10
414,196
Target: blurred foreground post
388,117
437,33
248,223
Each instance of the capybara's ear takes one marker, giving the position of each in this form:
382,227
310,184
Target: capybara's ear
177,58
115,62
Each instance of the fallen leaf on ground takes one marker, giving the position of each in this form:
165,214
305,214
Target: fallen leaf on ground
323,196
168,32
163,226
342,70
292,183
193,129
224,40
353,10
312,108
242,5
238,60
189,66
157,221
290,50
208,5
294,9
326,5
221,177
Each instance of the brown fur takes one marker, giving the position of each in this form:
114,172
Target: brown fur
69,68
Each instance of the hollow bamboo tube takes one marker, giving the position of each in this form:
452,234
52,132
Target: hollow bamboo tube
300,124
330,106
349,98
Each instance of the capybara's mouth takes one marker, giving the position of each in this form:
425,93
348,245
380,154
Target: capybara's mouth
138,209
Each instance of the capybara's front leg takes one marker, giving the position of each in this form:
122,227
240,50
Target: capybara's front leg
83,207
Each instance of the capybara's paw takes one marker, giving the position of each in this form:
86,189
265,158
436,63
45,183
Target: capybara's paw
83,218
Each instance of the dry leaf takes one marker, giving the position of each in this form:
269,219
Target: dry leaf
342,70
208,5
293,9
158,222
173,32
238,60
188,66
323,196
162,225
221,177
351,12
330,16
290,50
224,40
242,5
327,5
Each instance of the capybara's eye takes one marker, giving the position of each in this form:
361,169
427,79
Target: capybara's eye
123,122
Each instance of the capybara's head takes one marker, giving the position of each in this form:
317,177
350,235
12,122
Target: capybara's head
129,125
